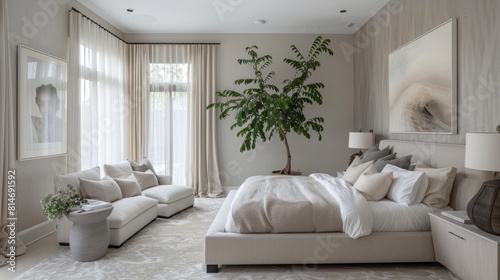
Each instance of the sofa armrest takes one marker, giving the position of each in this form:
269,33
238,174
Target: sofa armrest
164,179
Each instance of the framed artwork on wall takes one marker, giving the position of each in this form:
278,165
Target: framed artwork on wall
42,101
423,83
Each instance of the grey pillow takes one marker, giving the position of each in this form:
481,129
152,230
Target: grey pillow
401,162
374,154
142,166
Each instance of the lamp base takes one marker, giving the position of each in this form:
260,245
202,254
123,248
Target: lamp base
353,156
484,208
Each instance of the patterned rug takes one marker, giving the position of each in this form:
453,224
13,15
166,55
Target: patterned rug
173,249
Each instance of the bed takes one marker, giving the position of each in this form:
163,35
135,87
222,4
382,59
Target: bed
228,248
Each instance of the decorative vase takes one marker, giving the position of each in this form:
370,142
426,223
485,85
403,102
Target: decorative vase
484,208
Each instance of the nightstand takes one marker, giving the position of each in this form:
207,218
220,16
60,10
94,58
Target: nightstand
464,249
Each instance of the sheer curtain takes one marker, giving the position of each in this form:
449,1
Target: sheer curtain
169,76
101,58
182,134
7,132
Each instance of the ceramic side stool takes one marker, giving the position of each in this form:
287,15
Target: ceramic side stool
89,237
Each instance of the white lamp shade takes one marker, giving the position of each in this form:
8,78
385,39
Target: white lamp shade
482,151
360,140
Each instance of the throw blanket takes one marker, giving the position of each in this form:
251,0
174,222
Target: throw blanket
290,204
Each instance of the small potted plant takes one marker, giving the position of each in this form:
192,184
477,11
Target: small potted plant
56,205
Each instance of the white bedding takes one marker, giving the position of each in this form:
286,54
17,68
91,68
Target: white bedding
392,216
318,203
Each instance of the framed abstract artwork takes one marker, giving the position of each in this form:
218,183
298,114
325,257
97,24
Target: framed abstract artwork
42,101
423,83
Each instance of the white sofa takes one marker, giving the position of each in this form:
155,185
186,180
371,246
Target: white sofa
130,213
171,198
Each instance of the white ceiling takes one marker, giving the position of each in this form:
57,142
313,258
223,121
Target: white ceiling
236,16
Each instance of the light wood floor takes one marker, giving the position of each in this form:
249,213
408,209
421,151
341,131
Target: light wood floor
36,253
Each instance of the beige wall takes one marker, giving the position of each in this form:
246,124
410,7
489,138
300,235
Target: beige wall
43,26
329,155
478,62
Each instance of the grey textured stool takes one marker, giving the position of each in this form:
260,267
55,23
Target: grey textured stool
89,237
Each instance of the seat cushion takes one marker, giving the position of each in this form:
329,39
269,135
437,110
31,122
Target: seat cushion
127,209
168,193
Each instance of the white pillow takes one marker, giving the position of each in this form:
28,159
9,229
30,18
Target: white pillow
440,184
120,169
104,190
408,187
129,186
146,179
373,185
355,170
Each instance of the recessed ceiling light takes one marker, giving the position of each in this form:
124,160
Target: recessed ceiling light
260,21
350,24
130,10
343,11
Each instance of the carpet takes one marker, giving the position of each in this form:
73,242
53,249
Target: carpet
173,249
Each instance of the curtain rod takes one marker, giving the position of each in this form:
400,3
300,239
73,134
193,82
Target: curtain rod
105,29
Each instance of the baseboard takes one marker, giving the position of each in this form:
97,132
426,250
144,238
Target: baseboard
226,189
37,232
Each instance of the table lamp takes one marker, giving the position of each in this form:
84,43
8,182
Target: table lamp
359,140
482,151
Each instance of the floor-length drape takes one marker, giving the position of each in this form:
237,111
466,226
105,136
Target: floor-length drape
203,172
137,89
7,134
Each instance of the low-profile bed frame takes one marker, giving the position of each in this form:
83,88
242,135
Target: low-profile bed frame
226,248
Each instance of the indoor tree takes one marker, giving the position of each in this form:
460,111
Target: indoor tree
263,110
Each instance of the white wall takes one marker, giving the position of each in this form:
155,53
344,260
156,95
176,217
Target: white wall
329,155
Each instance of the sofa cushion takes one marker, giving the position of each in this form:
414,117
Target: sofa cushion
104,190
168,193
126,209
72,178
129,186
146,179
121,169
142,166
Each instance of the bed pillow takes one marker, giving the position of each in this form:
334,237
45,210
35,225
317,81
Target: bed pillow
104,190
146,179
401,162
129,186
408,187
373,185
355,170
440,184
373,154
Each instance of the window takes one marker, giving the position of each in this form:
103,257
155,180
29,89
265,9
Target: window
168,119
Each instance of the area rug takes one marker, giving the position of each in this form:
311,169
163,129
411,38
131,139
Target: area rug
173,249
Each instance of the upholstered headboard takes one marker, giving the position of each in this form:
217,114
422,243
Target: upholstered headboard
467,181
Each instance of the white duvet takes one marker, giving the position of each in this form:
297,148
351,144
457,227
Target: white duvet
318,203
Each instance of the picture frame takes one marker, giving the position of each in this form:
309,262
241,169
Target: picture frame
423,83
42,105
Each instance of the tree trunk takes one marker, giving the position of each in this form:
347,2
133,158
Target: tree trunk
288,167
